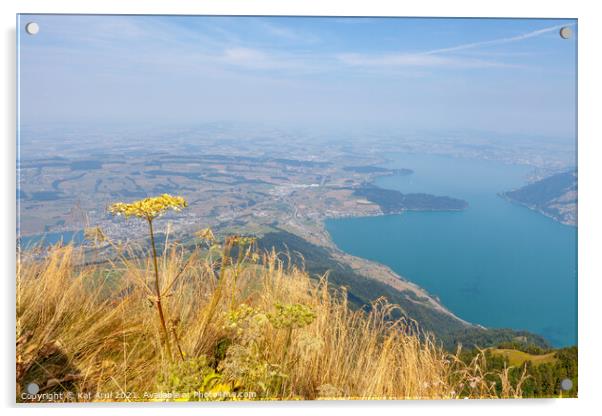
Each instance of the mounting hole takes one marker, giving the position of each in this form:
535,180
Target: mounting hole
33,388
566,384
32,28
566,32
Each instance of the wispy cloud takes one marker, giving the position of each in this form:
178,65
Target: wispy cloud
158,42
251,58
432,58
415,60
289,34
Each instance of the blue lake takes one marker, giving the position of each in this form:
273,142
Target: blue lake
48,239
497,264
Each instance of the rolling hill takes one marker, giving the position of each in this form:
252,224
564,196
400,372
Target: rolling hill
554,197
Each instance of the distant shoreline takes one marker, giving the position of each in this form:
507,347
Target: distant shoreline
505,196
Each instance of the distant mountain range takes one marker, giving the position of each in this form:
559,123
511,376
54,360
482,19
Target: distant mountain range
554,196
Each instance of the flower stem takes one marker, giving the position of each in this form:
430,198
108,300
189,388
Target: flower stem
158,290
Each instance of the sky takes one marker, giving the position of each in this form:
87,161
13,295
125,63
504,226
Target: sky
500,75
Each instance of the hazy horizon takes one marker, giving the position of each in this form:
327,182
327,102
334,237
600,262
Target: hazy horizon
514,76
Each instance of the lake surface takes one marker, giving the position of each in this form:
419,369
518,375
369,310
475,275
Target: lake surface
48,239
497,264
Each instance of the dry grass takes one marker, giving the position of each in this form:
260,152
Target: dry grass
241,325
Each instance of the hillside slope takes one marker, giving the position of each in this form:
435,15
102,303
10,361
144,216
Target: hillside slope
554,196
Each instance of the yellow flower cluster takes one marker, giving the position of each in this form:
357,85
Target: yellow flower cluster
240,314
149,208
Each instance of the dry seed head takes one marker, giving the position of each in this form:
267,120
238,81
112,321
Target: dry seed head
95,234
205,234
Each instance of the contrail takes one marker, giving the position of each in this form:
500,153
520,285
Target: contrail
517,38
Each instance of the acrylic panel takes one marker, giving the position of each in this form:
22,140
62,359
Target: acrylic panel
295,208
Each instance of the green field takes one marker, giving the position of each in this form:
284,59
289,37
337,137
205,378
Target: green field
517,358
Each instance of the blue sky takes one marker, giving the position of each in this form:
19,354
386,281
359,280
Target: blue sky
503,75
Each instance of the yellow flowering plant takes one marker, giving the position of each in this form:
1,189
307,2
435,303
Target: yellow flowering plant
149,209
